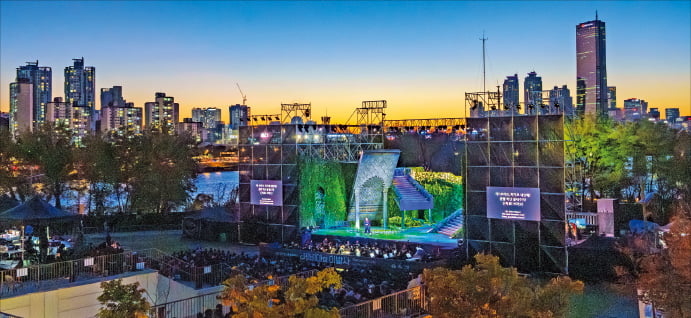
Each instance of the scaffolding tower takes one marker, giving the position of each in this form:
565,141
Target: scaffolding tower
288,111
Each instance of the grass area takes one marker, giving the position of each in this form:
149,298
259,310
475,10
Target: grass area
166,241
602,300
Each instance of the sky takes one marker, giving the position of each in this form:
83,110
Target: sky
419,56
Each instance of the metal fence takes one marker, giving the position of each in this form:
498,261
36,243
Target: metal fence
55,275
191,307
405,303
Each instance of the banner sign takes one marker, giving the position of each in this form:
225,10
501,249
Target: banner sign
510,203
266,192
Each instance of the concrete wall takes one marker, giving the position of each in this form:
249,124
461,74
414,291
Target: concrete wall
80,301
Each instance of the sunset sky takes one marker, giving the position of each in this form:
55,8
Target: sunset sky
419,56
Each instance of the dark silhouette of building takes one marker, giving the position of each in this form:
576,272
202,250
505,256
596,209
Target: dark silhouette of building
591,68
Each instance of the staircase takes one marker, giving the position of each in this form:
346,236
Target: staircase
450,224
410,195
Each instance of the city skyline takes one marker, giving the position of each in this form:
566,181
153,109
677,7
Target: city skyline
335,55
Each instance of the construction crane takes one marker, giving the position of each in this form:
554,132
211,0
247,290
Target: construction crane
244,97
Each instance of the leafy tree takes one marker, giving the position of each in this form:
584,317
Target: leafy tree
122,301
163,171
96,165
489,290
297,299
14,179
50,148
666,276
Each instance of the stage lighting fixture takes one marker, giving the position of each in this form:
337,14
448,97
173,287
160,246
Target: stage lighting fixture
462,126
263,119
506,107
307,112
277,118
255,118
556,105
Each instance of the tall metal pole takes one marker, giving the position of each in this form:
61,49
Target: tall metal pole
483,39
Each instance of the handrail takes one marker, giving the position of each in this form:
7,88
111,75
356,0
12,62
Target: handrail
404,303
190,306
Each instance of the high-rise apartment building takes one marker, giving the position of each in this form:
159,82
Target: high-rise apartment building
239,115
532,90
59,112
611,97
591,68
117,115
21,106
163,114
194,128
41,77
511,93
671,115
122,119
560,100
209,117
80,84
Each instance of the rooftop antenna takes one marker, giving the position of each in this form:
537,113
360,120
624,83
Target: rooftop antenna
595,15
483,39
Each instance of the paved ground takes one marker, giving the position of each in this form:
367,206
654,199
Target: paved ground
166,241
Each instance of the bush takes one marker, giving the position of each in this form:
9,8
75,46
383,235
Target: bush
409,222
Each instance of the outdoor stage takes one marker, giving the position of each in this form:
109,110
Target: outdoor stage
415,235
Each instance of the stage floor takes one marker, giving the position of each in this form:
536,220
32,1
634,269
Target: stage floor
413,235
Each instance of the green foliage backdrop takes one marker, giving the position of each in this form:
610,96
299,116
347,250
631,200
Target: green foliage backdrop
329,175
446,188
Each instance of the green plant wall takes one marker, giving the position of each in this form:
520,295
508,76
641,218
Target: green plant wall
329,175
446,188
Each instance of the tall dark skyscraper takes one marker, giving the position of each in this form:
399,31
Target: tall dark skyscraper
112,97
511,93
591,68
532,89
239,115
41,78
561,97
80,84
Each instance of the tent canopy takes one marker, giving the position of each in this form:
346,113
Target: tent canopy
214,214
33,210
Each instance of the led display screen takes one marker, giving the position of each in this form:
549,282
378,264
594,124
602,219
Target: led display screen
510,203
266,192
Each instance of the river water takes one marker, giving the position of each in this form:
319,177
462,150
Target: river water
217,184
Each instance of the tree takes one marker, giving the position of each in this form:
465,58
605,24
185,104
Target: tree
163,171
96,165
297,299
489,290
50,148
122,301
666,276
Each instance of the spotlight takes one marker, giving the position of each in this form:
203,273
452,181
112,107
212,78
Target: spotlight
277,118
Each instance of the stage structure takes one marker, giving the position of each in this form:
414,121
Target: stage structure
515,191
372,182
271,151
483,104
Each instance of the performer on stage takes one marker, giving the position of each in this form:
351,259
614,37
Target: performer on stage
367,226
